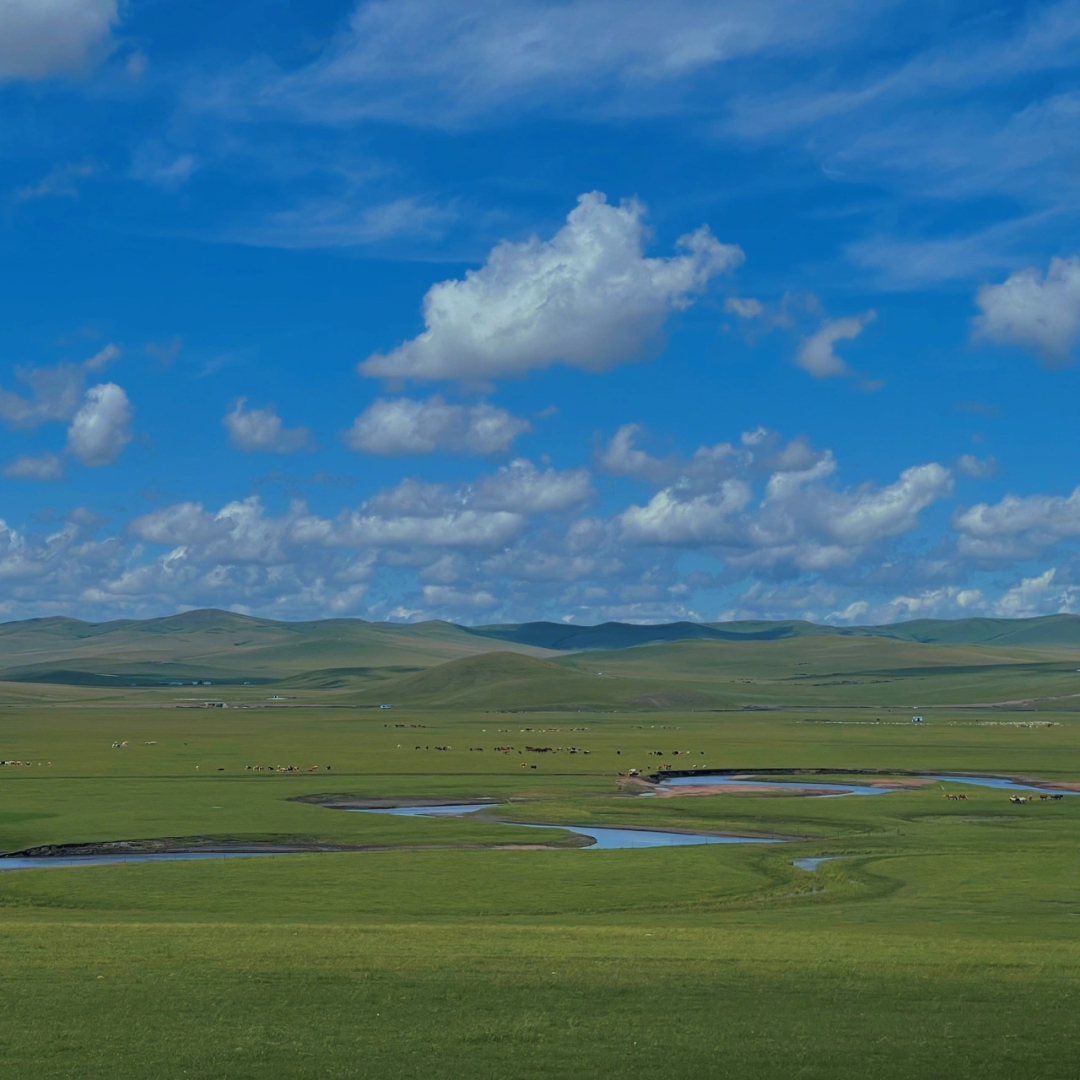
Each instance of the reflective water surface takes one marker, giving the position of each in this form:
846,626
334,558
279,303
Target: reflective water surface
423,811
606,838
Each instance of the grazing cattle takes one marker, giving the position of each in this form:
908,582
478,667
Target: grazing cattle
1044,797
1017,799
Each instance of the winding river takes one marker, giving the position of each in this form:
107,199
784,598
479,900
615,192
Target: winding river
605,838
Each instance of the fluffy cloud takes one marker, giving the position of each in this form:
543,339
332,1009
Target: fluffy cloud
261,429
100,417
587,297
55,395
102,427
947,601
758,453
41,467
1032,311
816,353
453,529
39,38
773,530
1017,527
699,521
55,392
522,488
437,530
401,426
800,521
976,467
1039,595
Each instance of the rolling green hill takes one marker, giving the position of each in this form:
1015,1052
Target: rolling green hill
537,665
502,681
222,647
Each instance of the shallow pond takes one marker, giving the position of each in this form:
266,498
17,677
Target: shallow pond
606,838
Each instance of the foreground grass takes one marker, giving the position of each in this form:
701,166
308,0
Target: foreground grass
950,948
117,980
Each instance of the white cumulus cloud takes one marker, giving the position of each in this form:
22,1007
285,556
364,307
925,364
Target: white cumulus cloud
1018,527
40,467
1036,312
400,426
800,521
102,427
523,488
40,38
816,353
587,297
55,392
1038,595
701,520
261,429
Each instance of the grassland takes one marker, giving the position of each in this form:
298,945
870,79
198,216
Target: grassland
949,947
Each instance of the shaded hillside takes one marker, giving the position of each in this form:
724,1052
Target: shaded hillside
615,635
1049,631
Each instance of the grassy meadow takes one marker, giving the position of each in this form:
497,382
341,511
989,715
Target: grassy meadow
947,945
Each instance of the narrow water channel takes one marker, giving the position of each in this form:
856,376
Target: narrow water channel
604,838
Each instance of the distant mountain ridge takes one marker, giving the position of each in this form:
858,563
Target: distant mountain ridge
1045,630
1063,630
370,659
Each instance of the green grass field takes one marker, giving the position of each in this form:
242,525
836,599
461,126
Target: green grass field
948,947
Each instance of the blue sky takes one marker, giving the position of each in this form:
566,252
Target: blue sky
503,311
